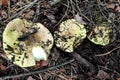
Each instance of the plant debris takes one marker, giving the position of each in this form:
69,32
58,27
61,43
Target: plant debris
87,61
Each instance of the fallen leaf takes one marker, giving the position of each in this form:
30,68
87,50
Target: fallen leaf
43,63
102,75
114,6
28,14
2,67
4,2
30,78
118,9
111,5
3,14
40,64
51,17
79,19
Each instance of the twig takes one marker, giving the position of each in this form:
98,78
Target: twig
108,52
84,62
108,69
8,8
52,3
37,72
19,13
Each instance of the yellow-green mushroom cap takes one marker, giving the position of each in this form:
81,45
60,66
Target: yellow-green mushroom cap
101,35
23,52
69,35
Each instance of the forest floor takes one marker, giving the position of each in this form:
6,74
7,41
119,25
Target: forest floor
88,62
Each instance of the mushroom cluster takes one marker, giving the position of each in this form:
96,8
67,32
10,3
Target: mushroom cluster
25,42
71,33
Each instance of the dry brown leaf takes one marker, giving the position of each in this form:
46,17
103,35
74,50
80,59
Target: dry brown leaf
51,17
2,67
102,75
118,9
79,19
28,14
111,5
3,14
30,78
43,63
40,64
4,2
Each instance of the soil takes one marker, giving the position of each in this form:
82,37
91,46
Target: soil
88,61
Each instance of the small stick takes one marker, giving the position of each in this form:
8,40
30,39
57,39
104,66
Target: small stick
84,62
19,13
37,72
52,3
108,52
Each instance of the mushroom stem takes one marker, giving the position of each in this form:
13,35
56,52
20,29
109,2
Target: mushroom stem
39,53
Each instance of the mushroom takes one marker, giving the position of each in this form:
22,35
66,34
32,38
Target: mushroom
69,35
101,35
25,42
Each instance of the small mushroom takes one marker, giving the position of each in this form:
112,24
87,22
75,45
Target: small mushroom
69,35
25,42
101,35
